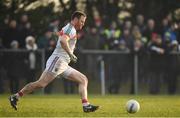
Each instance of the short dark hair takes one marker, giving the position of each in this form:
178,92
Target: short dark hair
77,14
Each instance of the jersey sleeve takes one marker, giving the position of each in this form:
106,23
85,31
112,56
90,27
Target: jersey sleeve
72,34
69,31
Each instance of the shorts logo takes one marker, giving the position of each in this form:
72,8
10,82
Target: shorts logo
56,69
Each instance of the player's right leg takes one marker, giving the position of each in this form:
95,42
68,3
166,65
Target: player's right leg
45,79
82,80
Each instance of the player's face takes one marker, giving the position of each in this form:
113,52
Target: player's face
80,22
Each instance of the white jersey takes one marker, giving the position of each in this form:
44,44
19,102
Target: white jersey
70,31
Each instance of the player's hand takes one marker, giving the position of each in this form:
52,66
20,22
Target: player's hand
73,58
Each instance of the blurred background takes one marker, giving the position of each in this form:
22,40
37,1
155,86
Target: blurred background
126,46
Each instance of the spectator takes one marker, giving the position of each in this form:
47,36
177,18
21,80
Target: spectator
14,62
140,22
2,70
110,36
96,17
31,46
170,34
4,27
43,41
10,34
150,29
139,42
171,72
54,25
128,25
91,39
118,66
23,21
122,46
24,29
127,37
156,62
164,26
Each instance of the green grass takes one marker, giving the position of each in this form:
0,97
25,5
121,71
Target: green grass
70,106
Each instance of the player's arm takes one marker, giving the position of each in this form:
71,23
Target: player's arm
64,43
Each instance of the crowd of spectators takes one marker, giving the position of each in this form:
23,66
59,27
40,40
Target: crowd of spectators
124,34
134,35
20,29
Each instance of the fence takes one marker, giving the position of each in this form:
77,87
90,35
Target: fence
111,72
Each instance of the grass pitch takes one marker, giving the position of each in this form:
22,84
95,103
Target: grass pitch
70,106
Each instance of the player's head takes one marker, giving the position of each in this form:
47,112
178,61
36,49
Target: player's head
78,18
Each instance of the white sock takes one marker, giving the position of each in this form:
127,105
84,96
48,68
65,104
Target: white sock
17,95
86,104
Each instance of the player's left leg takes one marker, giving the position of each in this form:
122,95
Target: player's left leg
82,80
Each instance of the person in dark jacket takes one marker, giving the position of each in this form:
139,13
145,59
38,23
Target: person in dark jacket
13,71
156,62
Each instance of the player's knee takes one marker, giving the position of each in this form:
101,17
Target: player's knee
84,80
